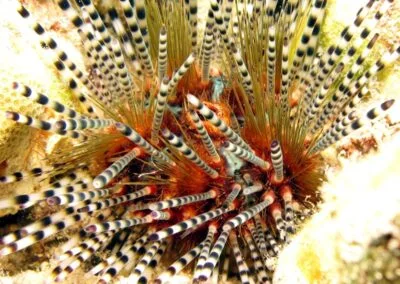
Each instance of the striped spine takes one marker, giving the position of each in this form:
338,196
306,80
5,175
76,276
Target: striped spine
39,224
306,47
261,243
214,256
159,109
109,202
179,264
369,116
225,265
270,240
153,262
187,224
18,176
126,250
39,98
217,122
124,75
212,230
75,88
236,188
117,224
205,138
271,56
209,21
114,268
40,124
112,171
26,200
246,155
257,260
145,260
183,200
141,18
60,56
160,215
81,124
87,243
193,21
227,12
246,215
244,73
343,87
276,212
88,249
206,52
329,59
139,141
125,40
47,231
216,10
162,53
140,43
241,264
277,160
285,74
189,153
181,72
287,196
253,188
74,197
97,22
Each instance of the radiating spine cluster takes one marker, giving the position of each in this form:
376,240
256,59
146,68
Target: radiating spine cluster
158,157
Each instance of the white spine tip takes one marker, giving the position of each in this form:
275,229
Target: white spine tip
215,175
193,100
97,183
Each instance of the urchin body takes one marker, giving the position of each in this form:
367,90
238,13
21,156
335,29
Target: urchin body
236,162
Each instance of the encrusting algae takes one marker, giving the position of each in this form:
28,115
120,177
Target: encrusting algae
186,142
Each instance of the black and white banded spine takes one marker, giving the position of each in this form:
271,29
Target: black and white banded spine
189,153
277,160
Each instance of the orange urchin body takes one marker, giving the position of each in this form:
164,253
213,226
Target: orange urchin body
190,160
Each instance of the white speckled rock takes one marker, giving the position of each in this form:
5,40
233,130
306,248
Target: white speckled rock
360,204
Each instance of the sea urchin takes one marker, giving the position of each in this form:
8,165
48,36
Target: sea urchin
196,146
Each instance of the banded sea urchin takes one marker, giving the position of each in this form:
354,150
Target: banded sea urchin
218,153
